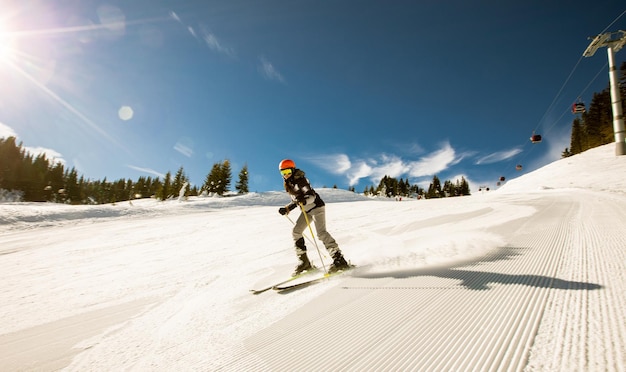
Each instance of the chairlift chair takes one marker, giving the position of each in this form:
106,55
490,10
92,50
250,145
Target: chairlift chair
518,167
535,138
578,107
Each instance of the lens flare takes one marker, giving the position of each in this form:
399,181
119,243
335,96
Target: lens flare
125,113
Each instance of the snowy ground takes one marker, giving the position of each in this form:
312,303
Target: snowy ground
532,276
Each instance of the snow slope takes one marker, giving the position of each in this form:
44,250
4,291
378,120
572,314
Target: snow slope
531,276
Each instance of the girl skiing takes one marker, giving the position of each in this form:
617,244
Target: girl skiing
312,205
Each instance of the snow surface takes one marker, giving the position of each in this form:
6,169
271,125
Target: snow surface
531,276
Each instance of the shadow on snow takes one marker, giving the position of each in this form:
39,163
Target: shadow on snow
480,280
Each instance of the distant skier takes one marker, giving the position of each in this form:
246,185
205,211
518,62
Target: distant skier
301,192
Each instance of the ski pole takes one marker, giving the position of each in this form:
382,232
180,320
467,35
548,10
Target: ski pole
308,223
306,236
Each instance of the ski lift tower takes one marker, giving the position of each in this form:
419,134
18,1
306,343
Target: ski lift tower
613,41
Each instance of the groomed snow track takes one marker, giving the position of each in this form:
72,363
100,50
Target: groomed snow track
520,308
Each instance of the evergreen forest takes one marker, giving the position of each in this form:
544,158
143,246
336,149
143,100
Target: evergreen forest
594,127
30,178
392,187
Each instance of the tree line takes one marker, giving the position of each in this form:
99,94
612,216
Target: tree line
594,127
34,178
392,187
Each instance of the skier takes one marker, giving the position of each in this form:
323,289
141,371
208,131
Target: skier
303,195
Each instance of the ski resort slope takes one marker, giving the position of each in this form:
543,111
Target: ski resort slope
529,277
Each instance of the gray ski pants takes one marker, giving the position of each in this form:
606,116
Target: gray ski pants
317,216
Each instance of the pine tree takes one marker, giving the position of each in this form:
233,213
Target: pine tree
242,184
155,188
218,180
55,180
118,191
464,187
129,190
598,120
39,170
434,190
10,164
402,188
141,188
448,189
226,177
566,153
576,139
72,190
180,179
166,188
212,180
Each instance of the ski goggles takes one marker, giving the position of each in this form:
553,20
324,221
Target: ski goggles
285,172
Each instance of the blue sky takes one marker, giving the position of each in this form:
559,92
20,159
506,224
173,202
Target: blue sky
350,90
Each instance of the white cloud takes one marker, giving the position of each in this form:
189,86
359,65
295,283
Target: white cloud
53,156
269,72
6,131
209,38
192,31
358,171
388,165
175,16
432,164
498,156
336,164
213,43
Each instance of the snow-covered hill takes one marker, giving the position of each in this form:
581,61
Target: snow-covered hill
596,169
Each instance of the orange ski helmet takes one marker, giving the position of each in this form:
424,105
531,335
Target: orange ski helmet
286,164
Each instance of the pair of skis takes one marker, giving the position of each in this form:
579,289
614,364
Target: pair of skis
299,281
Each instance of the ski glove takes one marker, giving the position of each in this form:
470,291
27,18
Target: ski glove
283,210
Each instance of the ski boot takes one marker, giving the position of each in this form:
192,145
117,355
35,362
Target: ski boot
304,264
339,263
